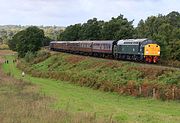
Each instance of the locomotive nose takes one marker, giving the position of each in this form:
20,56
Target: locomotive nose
152,50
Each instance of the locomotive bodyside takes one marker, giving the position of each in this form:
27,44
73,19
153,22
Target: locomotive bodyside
129,49
137,49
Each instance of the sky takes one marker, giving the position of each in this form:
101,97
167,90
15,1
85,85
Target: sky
69,12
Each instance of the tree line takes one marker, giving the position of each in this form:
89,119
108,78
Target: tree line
93,29
165,29
8,31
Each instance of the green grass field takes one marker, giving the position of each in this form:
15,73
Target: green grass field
104,104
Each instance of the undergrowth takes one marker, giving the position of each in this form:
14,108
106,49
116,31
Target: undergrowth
107,75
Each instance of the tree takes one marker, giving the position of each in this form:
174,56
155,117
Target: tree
118,28
1,41
174,19
140,30
165,30
46,41
92,30
71,33
28,40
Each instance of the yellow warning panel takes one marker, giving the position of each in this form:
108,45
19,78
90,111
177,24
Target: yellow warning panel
152,50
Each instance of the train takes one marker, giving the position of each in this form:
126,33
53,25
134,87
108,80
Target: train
143,50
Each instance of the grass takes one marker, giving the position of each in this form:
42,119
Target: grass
108,75
4,47
21,102
74,98
107,70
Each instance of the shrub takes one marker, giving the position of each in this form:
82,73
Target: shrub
29,56
41,56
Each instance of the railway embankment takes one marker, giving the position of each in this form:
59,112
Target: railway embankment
81,103
123,77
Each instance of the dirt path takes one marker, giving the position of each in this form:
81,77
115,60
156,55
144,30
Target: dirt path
138,63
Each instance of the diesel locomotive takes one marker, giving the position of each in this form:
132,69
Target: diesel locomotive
129,49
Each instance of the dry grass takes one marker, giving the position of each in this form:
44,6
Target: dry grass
21,102
108,75
6,52
74,59
4,47
173,63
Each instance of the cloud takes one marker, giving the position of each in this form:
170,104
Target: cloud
66,12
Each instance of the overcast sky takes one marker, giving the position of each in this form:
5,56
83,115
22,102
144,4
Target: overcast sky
67,12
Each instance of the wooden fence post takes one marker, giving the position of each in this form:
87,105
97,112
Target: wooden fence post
154,93
173,93
140,90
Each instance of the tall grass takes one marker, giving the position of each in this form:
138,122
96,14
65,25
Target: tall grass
4,47
21,102
109,105
107,75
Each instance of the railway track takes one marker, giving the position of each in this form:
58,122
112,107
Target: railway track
126,61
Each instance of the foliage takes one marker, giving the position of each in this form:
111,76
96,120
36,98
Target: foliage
71,33
29,56
92,30
29,40
40,56
46,41
116,28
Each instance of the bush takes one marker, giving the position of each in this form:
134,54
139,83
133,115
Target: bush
41,56
29,56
